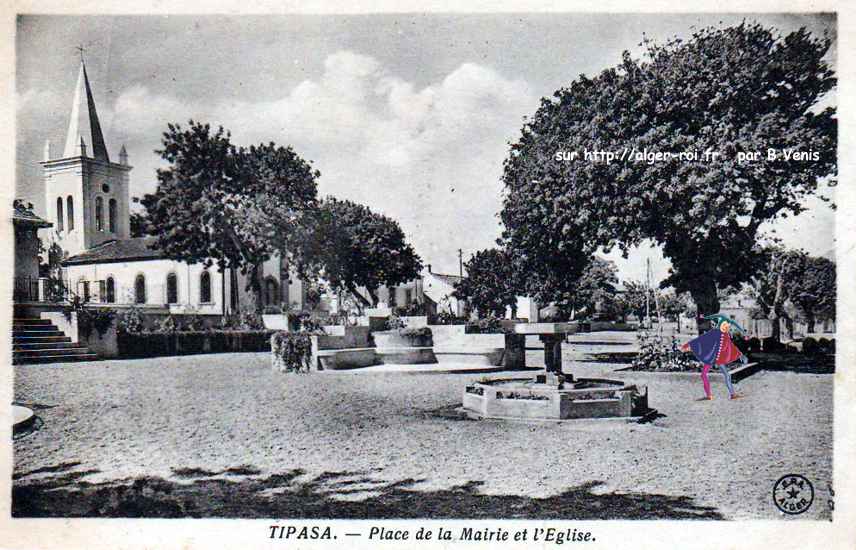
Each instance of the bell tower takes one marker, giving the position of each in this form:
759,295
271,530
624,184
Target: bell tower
86,195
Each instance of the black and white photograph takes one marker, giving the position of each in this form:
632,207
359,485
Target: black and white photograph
561,267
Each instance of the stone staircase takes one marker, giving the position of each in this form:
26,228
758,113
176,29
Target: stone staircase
40,341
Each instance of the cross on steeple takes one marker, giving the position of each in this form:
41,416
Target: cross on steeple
80,50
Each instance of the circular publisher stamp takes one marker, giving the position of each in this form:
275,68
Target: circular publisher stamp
793,494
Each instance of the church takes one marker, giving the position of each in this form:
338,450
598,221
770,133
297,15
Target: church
87,200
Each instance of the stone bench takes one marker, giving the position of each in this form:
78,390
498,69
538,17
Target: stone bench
476,355
346,358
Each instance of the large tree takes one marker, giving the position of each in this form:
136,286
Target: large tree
356,250
792,277
490,284
726,91
596,285
233,206
814,292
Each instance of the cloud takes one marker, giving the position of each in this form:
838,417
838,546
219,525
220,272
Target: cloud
431,157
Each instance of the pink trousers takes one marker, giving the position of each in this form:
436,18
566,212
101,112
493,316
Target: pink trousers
704,380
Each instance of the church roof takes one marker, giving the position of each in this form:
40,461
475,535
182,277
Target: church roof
124,250
84,136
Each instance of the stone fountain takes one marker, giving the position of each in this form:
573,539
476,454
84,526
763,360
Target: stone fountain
553,395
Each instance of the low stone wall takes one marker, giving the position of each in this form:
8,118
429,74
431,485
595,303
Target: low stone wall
343,338
445,333
453,338
104,345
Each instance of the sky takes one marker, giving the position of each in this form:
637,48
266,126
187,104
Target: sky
410,114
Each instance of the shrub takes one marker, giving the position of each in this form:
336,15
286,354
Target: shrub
413,309
130,321
657,353
304,321
753,345
251,320
193,323
448,318
291,351
421,332
394,322
810,346
166,325
487,325
98,319
826,345
771,345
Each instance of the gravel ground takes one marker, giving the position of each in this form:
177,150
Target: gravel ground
222,435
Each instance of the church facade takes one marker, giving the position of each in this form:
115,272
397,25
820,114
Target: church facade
87,200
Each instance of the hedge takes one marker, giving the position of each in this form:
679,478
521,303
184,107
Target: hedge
186,343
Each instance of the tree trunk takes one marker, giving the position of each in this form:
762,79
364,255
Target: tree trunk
777,310
809,321
254,285
356,294
707,303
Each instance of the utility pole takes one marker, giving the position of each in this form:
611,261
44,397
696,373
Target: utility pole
461,262
647,290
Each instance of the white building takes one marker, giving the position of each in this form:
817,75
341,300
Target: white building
87,201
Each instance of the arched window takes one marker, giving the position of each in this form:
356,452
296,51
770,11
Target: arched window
99,214
110,291
112,215
140,289
69,211
172,288
205,287
271,292
59,220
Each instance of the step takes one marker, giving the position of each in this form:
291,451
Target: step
37,333
44,345
31,321
39,339
78,350
33,328
55,359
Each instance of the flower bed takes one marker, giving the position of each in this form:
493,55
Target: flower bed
146,344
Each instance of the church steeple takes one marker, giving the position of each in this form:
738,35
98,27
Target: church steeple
84,130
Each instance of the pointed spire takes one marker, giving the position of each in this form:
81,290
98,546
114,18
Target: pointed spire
47,151
83,128
123,155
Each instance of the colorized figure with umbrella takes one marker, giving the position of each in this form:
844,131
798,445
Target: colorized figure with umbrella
715,347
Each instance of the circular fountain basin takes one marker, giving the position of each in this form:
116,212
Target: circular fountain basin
525,398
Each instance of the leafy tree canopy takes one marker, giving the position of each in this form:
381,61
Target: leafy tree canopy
216,202
353,248
726,90
489,286
793,277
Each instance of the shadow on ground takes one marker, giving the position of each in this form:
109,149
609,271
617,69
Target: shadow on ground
354,495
